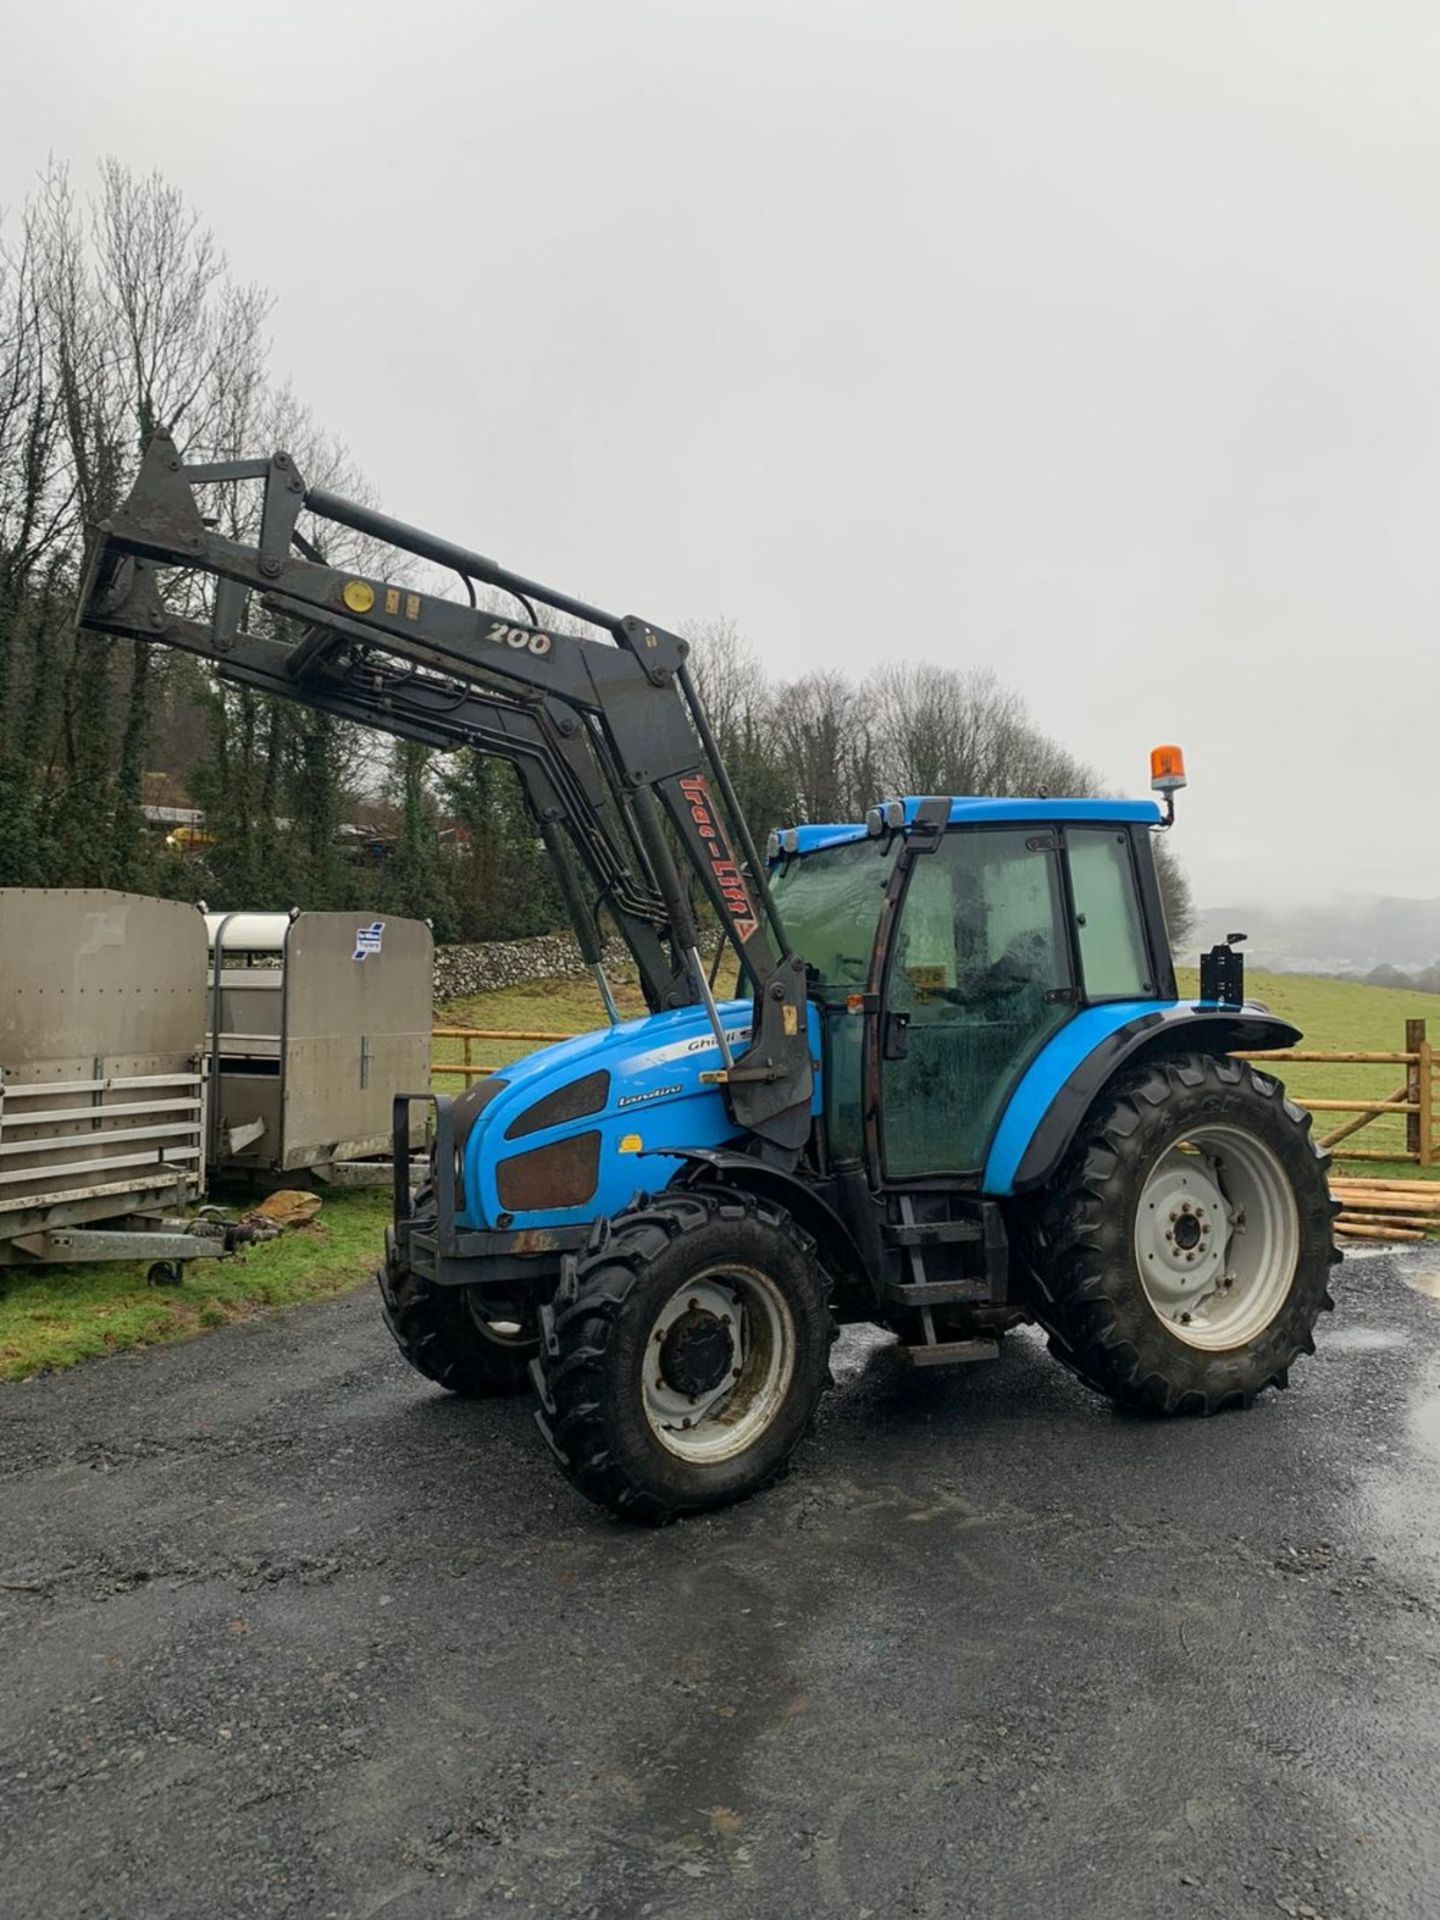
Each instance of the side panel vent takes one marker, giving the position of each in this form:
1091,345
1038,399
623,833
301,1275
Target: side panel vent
570,1102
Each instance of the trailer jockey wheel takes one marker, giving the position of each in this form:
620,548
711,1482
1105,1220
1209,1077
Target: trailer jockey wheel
166,1273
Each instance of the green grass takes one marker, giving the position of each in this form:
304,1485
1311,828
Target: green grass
542,1006
53,1316
1338,1017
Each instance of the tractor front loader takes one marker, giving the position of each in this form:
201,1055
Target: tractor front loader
961,1091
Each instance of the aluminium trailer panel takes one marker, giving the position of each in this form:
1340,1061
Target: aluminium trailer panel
309,1046
102,1029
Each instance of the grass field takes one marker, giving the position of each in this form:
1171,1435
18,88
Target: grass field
543,1006
53,1316
56,1316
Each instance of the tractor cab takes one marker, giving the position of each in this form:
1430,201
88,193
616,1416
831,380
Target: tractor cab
946,943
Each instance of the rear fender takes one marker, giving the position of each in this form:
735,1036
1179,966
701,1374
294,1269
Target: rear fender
1062,1083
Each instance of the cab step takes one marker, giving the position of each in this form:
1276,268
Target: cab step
936,1293
931,1233
952,1353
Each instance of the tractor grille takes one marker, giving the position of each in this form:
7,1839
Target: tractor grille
564,1174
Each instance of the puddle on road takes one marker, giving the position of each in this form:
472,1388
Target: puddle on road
1360,1340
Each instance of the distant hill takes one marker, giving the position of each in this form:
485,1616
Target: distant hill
1351,934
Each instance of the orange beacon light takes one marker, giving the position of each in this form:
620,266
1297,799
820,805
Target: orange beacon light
1167,769
1167,776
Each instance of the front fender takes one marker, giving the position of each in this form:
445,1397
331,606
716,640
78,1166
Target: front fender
838,1249
1062,1082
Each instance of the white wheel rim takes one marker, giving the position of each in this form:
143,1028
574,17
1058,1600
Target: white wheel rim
1217,1238
501,1329
725,1417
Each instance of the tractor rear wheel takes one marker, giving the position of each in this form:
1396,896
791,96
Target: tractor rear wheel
1183,1254
685,1354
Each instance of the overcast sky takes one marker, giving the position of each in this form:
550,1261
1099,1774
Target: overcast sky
1094,341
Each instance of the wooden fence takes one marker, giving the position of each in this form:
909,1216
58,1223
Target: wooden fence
1414,1098
464,1068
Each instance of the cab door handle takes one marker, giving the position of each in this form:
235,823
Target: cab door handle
897,1036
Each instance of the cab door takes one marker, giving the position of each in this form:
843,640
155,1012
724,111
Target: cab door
978,977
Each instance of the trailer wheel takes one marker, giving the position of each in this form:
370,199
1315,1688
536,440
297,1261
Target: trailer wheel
685,1354
1183,1254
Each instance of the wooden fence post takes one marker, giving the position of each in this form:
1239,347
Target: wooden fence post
1417,1092
1420,1126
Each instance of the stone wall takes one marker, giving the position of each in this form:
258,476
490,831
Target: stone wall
509,963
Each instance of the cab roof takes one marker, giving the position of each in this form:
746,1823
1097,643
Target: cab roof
967,812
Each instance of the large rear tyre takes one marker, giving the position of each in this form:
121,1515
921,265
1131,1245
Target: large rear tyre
1182,1256
685,1353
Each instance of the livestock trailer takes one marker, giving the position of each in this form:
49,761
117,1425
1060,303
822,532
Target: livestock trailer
316,1022
102,1035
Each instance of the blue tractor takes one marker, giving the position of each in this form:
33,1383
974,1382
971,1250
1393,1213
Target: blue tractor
960,1092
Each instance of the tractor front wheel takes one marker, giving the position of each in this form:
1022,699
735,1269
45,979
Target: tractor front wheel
685,1354
457,1336
1182,1256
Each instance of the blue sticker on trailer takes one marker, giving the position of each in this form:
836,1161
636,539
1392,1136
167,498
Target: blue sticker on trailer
367,939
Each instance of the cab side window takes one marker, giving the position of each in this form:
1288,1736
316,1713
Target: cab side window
1114,957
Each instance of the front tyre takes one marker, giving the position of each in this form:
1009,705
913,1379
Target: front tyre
1182,1255
455,1337
684,1356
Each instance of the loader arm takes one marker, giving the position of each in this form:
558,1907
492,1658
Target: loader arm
609,736
559,780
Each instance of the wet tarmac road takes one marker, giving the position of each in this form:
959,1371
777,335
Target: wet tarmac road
285,1632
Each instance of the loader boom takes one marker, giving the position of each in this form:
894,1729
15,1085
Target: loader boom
614,751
